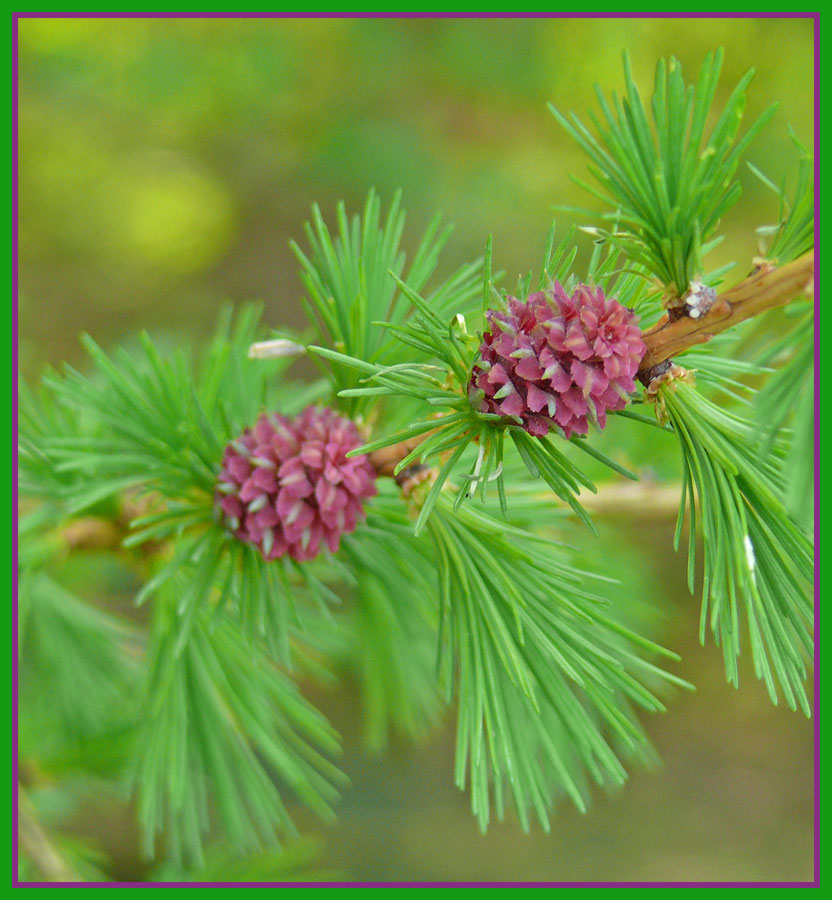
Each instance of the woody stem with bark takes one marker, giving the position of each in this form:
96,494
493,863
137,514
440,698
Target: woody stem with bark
764,289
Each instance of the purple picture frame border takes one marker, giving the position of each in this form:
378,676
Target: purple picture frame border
815,16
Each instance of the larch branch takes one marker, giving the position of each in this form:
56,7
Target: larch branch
764,289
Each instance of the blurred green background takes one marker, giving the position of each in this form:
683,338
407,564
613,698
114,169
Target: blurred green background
164,166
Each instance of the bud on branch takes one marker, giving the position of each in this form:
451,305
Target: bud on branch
764,289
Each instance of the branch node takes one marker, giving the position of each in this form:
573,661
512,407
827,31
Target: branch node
411,477
647,376
666,375
693,304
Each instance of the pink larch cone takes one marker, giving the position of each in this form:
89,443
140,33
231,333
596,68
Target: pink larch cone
286,485
558,361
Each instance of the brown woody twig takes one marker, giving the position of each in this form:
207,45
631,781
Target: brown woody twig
764,289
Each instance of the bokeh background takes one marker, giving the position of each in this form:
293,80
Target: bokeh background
164,164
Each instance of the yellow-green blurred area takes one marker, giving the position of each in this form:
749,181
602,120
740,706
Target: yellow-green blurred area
166,163
164,166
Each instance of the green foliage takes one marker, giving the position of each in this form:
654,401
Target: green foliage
794,233
349,286
757,562
163,421
219,721
77,662
543,674
447,594
157,426
667,184
788,399
391,632
393,645
41,419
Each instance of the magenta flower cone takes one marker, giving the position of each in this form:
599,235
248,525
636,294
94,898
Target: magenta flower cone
558,361
287,487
